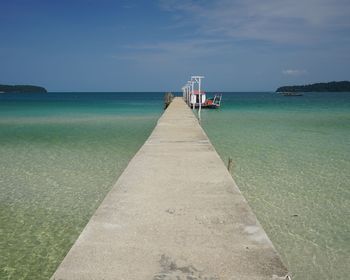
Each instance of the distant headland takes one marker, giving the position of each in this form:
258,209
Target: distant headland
21,89
319,87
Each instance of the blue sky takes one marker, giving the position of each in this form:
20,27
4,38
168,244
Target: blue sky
105,45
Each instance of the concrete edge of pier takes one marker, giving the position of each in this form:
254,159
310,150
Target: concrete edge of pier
174,213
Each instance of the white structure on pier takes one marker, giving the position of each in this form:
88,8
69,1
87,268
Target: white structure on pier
199,95
187,90
196,98
192,92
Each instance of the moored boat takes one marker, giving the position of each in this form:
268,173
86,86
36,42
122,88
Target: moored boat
211,103
290,93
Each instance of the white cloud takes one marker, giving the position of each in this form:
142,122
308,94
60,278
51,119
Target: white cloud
287,21
294,72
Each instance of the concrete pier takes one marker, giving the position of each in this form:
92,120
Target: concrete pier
174,213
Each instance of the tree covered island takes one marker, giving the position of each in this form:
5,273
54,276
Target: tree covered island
318,87
21,89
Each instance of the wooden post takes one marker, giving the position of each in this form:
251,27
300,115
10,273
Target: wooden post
229,164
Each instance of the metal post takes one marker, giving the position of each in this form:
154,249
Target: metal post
188,95
192,94
198,79
200,99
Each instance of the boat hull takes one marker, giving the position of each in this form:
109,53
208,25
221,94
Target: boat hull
207,106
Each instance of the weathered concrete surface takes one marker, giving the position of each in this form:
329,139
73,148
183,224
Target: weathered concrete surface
174,213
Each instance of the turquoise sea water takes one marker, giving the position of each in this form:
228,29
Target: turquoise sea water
61,153
292,162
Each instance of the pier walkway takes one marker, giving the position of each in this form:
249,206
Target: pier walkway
174,214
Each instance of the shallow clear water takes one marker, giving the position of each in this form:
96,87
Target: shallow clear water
292,162
60,154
